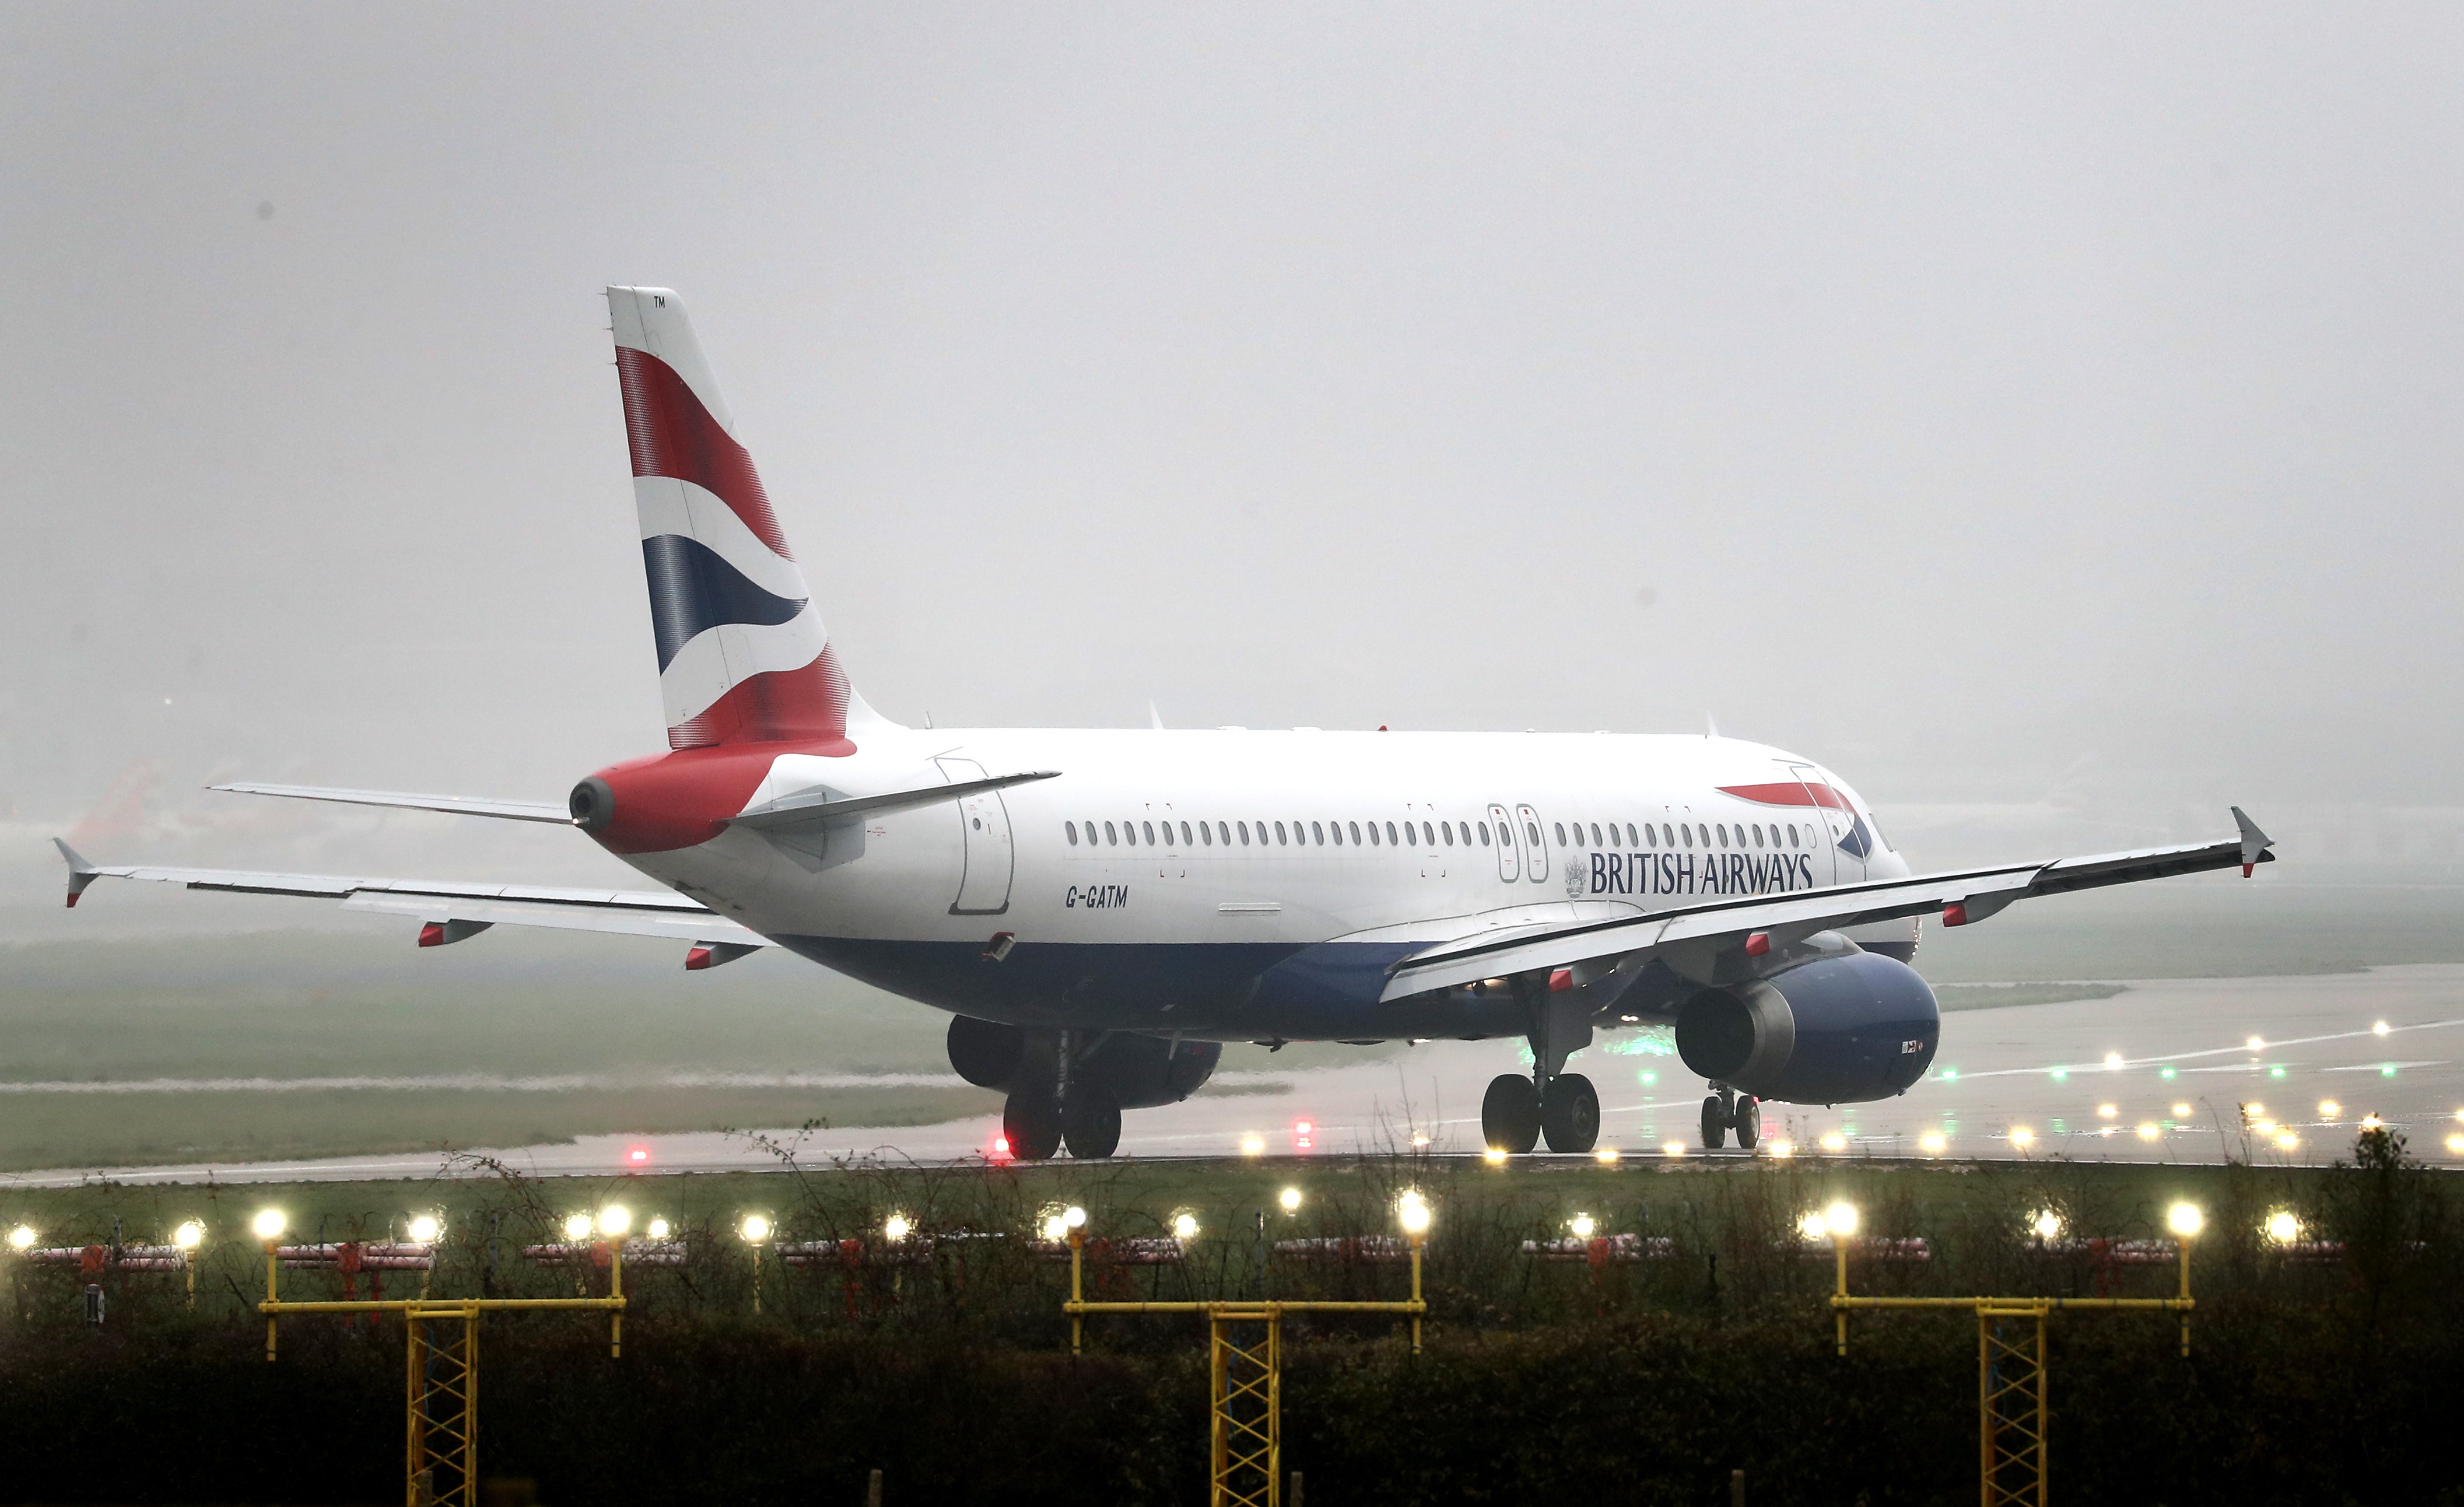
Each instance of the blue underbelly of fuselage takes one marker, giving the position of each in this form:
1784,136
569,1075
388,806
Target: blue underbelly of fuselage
1234,991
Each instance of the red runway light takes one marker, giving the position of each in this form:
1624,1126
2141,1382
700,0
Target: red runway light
639,1156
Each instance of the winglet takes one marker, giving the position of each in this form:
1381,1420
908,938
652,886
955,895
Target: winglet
81,873
2253,843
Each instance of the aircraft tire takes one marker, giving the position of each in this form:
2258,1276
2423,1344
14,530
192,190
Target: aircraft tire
1715,1123
1091,1125
1749,1122
1570,1112
1032,1124
1509,1114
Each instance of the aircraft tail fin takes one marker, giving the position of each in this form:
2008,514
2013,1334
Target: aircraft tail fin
743,653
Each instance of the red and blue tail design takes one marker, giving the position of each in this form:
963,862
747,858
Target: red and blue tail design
743,653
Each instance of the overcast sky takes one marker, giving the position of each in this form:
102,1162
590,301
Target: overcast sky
1964,396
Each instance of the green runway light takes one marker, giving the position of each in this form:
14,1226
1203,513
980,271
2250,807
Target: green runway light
2387,1072
2164,1072
2060,1074
2276,1073
1649,1077
1951,1074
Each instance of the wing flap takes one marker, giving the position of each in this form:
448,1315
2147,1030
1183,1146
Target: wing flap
701,928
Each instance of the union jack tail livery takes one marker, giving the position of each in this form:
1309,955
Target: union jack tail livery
742,655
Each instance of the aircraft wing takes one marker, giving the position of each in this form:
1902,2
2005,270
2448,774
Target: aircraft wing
449,911
1780,920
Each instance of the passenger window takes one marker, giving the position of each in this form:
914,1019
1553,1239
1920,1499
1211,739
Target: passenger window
1355,835
1561,833
1244,832
1373,833
1150,833
1706,833
1596,835
1071,828
1758,834
1318,833
1650,838
1186,840
1446,829
1689,831
1483,834
1531,829
1205,835
1723,830
1223,830
1109,836
1390,832
1279,831
1792,834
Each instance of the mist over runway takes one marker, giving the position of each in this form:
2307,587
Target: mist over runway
2316,1042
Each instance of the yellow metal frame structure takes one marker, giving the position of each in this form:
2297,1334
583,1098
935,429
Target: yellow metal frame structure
1245,1404
441,1449
2012,1417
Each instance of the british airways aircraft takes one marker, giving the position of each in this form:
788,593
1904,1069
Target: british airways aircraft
1100,911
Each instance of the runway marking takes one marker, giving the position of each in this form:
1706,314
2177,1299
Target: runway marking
2087,1070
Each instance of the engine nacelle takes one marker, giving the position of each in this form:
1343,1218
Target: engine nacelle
1137,1071
1835,1030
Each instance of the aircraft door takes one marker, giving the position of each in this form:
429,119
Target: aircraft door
1509,868
1535,853
1828,867
990,856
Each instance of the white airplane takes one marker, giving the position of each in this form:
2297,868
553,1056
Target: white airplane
1099,911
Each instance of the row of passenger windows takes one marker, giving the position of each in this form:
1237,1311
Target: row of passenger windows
1428,834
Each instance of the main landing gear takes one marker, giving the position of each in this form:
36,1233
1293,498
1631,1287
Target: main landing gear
1517,1111
1725,1110
1562,1106
1038,1123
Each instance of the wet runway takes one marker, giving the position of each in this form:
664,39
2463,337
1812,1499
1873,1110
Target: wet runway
2276,1069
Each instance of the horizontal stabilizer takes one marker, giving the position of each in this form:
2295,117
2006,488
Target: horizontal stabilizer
457,805
456,910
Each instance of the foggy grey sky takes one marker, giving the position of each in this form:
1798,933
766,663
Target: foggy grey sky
1960,396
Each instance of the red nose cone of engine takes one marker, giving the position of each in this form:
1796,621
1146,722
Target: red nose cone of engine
670,801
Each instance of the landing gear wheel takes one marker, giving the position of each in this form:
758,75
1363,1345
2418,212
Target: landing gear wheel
1749,1121
1570,1112
1715,1123
1091,1125
1032,1123
1509,1114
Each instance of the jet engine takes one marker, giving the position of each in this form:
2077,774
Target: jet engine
1839,1029
1136,1072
